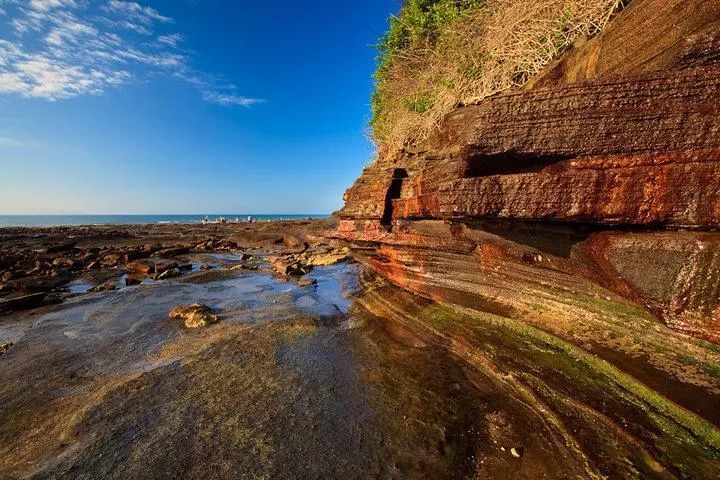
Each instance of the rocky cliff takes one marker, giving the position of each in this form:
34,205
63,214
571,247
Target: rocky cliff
581,215
602,178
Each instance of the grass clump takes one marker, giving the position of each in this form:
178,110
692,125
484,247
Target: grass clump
438,54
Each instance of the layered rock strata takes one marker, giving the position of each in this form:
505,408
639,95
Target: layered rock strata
599,181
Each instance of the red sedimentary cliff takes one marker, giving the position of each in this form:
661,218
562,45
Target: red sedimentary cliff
601,180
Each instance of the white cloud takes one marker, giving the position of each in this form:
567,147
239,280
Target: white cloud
230,100
69,30
47,5
171,40
135,11
60,49
11,142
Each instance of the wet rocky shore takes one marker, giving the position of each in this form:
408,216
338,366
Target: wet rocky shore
48,265
267,352
291,379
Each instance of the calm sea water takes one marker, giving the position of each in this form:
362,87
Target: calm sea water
61,220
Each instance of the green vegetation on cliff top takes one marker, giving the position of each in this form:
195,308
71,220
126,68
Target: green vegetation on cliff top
438,54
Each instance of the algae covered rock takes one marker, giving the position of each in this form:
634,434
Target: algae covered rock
194,316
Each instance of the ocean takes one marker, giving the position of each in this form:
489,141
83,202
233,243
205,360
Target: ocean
68,220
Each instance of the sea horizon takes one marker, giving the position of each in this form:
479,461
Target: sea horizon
7,221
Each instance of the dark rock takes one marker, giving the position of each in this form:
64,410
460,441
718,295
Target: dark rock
130,281
307,282
167,274
164,265
61,247
19,301
40,283
172,252
93,266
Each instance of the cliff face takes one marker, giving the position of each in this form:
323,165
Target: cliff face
596,188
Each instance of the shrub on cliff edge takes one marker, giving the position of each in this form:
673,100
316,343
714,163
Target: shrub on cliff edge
438,54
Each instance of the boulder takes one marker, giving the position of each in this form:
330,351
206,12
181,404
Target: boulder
194,316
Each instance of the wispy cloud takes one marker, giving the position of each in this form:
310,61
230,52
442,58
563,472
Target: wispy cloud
135,11
59,49
171,40
230,100
11,142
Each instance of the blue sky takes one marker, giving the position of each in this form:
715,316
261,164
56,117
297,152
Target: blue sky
184,106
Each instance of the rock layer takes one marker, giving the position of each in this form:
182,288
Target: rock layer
540,203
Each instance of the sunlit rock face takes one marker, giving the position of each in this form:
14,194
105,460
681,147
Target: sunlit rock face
602,178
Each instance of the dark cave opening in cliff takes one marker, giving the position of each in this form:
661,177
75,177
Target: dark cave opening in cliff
393,193
509,163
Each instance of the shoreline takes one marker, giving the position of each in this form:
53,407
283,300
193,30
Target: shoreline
38,221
